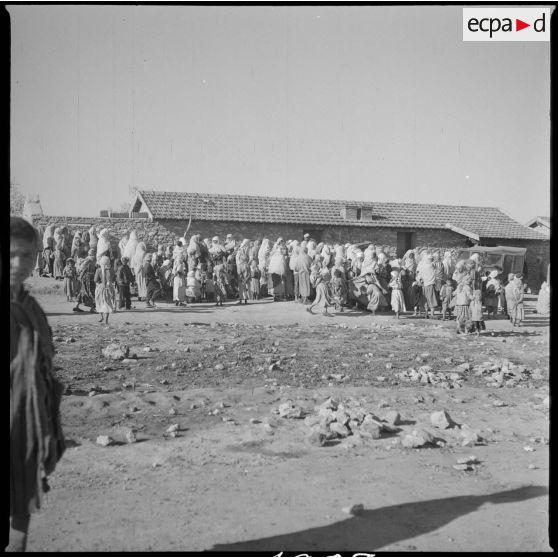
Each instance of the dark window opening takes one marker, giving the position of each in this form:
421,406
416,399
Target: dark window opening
359,214
315,234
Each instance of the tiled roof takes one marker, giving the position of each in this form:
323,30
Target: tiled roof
487,222
541,223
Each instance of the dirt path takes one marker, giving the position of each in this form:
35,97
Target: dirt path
238,477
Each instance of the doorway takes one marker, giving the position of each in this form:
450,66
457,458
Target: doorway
405,241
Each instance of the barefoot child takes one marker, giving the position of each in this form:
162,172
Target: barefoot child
105,295
397,300
417,297
446,294
71,283
475,309
463,296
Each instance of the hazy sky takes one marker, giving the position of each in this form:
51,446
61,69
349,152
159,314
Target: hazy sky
372,103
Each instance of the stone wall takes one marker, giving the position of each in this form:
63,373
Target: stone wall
150,232
429,238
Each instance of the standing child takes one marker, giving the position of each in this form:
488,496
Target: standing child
178,282
71,283
492,294
322,292
193,288
517,294
255,275
221,283
339,289
209,284
475,308
243,282
124,279
463,296
105,296
417,297
446,294
397,300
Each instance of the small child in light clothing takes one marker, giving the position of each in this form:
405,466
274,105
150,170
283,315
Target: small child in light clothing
475,310
446,294
397,300
193,287
418,298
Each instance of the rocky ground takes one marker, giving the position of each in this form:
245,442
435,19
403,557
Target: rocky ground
263,428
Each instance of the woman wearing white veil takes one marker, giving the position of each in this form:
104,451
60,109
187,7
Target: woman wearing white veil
137,266
130,248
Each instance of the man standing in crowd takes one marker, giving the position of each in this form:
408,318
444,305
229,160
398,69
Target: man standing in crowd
36,439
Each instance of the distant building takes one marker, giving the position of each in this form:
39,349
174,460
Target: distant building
540,224
401,226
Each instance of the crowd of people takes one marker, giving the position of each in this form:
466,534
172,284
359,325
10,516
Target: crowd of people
104,276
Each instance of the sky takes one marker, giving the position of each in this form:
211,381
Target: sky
373,103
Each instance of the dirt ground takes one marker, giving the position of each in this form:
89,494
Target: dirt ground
238,477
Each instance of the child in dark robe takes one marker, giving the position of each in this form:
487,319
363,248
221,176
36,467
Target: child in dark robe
36,439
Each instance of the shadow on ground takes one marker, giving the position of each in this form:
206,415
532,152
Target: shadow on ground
375,529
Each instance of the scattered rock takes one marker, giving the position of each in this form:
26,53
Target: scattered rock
255,421
441,419
499,403
355,509
417,439
339,429
469,437
172,411
383,403
392,417
219,367
104,441
529,448
532,466
371,429
173,428
289,410
116,351
317,438
470,459
131,436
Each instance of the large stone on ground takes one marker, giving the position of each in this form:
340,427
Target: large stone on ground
392,417
370,429
116,351
289,410
417,439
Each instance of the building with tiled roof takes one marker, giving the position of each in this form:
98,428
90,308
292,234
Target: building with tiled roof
540,224
475,223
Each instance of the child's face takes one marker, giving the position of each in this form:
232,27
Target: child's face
22,260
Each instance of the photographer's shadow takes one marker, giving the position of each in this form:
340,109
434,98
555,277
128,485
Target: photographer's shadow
377,528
